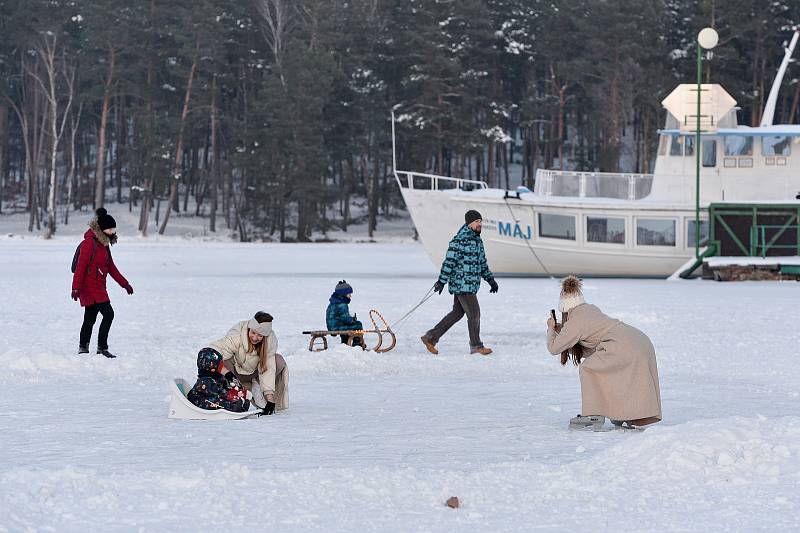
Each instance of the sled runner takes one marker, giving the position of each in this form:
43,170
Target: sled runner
180,407
381,331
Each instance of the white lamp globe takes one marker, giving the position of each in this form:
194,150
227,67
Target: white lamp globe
708,38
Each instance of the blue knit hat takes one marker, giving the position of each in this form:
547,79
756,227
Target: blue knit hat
343,288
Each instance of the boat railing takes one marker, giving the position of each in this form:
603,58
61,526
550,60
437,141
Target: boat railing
576,184
432,182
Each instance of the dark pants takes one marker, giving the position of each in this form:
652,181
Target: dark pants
90,317
462,304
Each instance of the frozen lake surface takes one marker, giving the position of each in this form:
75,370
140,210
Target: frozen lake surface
378,442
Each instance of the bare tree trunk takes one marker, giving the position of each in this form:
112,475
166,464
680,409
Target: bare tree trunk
71,175
147,190
192,181
560,130
28,115
176,164
212,177
795,102
646,147
278,23
3,147
490,165
755,112
47,52
121,140
349,181
100,183
372,193
505,165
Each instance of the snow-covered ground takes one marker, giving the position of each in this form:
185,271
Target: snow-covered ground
379,442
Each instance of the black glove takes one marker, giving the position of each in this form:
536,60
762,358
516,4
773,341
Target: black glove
75,294
128,289
493,285
269,409
438,287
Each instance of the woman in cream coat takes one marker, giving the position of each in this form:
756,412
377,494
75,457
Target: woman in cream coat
618,371
249,351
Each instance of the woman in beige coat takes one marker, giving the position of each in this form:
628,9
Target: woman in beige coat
617,363
249,351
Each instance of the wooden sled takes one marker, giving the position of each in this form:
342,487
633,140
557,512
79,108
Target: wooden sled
181,408
319,342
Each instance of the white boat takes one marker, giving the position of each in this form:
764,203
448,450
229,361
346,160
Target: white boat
619,224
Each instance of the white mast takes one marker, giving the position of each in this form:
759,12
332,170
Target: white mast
769,110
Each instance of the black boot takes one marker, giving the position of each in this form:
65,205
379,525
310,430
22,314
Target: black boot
82,348
105,352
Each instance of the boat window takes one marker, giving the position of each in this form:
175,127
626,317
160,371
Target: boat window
601,229
676,147
738,145
688,146
662,144
690,233
655,232
709,153
776,145
557,226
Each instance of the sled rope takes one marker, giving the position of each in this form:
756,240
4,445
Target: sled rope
527,242
428,296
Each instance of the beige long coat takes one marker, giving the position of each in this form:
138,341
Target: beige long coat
619,376
234,350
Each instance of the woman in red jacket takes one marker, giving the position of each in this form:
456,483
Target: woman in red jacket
89,281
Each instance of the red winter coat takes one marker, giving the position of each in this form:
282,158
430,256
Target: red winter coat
90,277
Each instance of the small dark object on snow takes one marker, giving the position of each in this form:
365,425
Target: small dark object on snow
453,502
106,353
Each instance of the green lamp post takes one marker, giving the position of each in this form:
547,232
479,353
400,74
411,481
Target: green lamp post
706,40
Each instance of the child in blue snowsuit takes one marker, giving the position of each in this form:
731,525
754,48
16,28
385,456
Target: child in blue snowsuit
215,391
337,317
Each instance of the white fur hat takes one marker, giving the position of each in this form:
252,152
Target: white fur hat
571,295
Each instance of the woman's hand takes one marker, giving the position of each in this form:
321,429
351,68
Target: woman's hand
271,398
551,324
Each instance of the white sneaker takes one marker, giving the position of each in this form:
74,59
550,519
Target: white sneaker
582,422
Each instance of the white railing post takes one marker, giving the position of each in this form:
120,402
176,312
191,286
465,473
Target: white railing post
582,184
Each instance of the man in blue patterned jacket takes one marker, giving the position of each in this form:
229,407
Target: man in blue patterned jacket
462,270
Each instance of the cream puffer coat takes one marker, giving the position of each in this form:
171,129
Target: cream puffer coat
234,346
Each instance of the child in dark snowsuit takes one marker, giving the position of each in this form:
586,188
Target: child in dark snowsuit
337,317
215,391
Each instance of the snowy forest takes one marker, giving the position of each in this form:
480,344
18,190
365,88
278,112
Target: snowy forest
271,118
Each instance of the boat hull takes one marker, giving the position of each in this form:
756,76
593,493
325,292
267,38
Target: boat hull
514,247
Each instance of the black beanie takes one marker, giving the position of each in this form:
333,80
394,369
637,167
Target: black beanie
471,216
104,220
